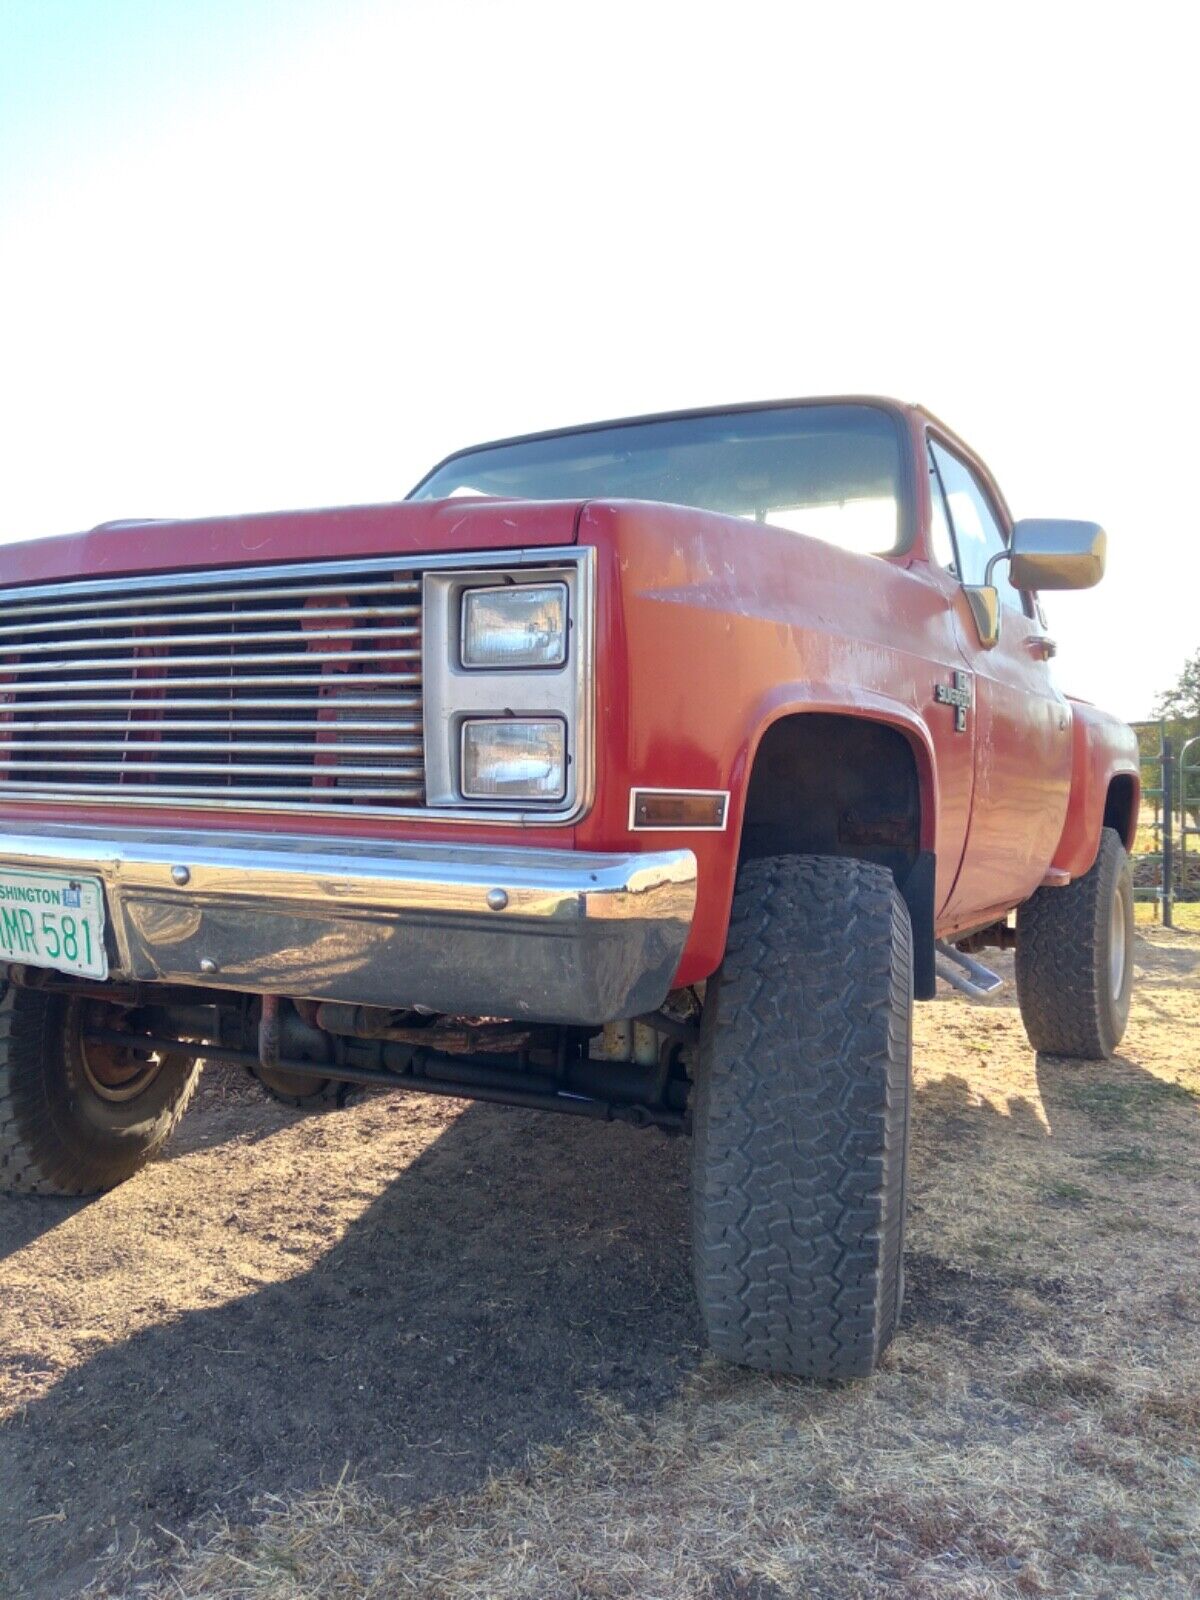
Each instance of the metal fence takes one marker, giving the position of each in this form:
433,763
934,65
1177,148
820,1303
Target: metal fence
1189,817
1170,870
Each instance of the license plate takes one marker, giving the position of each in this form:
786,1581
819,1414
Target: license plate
48,919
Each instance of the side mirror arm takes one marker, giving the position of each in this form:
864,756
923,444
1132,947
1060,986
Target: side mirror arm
1001,555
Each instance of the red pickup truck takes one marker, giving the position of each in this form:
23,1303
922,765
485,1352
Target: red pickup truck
643,770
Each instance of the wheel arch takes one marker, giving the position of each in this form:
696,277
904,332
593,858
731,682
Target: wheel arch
1121,806
856,781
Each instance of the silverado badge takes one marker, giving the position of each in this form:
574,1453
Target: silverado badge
957,695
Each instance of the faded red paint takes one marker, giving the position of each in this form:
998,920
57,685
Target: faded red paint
121,549
1101,749
708,630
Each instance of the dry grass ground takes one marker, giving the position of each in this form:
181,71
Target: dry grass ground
1187,867
1035,1429
1186,914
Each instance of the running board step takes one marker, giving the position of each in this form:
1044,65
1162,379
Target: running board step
974,979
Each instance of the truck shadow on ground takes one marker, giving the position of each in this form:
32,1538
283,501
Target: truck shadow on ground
24,1218
215,1117
520,1264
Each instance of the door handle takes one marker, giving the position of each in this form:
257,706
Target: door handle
1042,646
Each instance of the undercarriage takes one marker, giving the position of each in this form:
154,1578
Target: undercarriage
634,1072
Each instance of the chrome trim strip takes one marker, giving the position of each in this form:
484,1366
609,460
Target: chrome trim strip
248,804
402,876
10,736
381,702
351,739
89,624
312,679
578,937
267,769
15,752
273,658
278,636
252,797
187,597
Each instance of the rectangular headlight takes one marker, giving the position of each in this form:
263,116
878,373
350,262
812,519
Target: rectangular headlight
515,625
503,759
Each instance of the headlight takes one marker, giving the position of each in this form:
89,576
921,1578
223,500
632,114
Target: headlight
503,759
517,625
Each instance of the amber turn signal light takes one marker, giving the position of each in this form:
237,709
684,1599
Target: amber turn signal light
678,808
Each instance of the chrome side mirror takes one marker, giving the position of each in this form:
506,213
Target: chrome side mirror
1049,553
1043,553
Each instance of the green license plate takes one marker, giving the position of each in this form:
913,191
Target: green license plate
48,919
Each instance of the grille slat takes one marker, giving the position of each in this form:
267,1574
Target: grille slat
242,768
189,703
405,613
392,792
149,641
15,752
278,688
148,680
136,596
275,658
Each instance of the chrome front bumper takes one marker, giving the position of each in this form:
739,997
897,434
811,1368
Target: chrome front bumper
548,935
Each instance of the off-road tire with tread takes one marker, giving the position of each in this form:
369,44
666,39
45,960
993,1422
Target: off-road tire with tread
1069,1003
801,1119
57,1135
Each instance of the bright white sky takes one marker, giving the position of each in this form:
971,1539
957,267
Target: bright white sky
279,254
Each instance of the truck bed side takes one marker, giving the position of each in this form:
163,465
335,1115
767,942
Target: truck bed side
1105,788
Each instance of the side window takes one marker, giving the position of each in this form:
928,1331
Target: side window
976,532
940,538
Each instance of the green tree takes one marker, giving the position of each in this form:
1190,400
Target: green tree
1179,707
1182,701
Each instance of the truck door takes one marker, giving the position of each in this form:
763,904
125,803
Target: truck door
1022,722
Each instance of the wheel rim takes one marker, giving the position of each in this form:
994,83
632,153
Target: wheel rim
112,1073
1117,946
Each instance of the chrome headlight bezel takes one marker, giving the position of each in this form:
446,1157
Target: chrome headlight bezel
456,692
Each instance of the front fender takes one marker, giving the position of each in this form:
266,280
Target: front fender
708,635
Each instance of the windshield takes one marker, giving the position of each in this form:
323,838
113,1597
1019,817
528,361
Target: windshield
830,471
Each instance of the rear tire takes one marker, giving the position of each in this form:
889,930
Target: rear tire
801,1125
76,1118
1075,959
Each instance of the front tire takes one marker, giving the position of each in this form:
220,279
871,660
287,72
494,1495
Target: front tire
76,1117
1075,959
801,1126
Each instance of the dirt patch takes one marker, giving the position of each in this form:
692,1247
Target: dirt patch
979,1307
424,1286
421,1347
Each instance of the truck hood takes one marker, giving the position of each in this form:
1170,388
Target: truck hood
123,549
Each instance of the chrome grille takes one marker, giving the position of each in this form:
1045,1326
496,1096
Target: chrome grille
288,688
